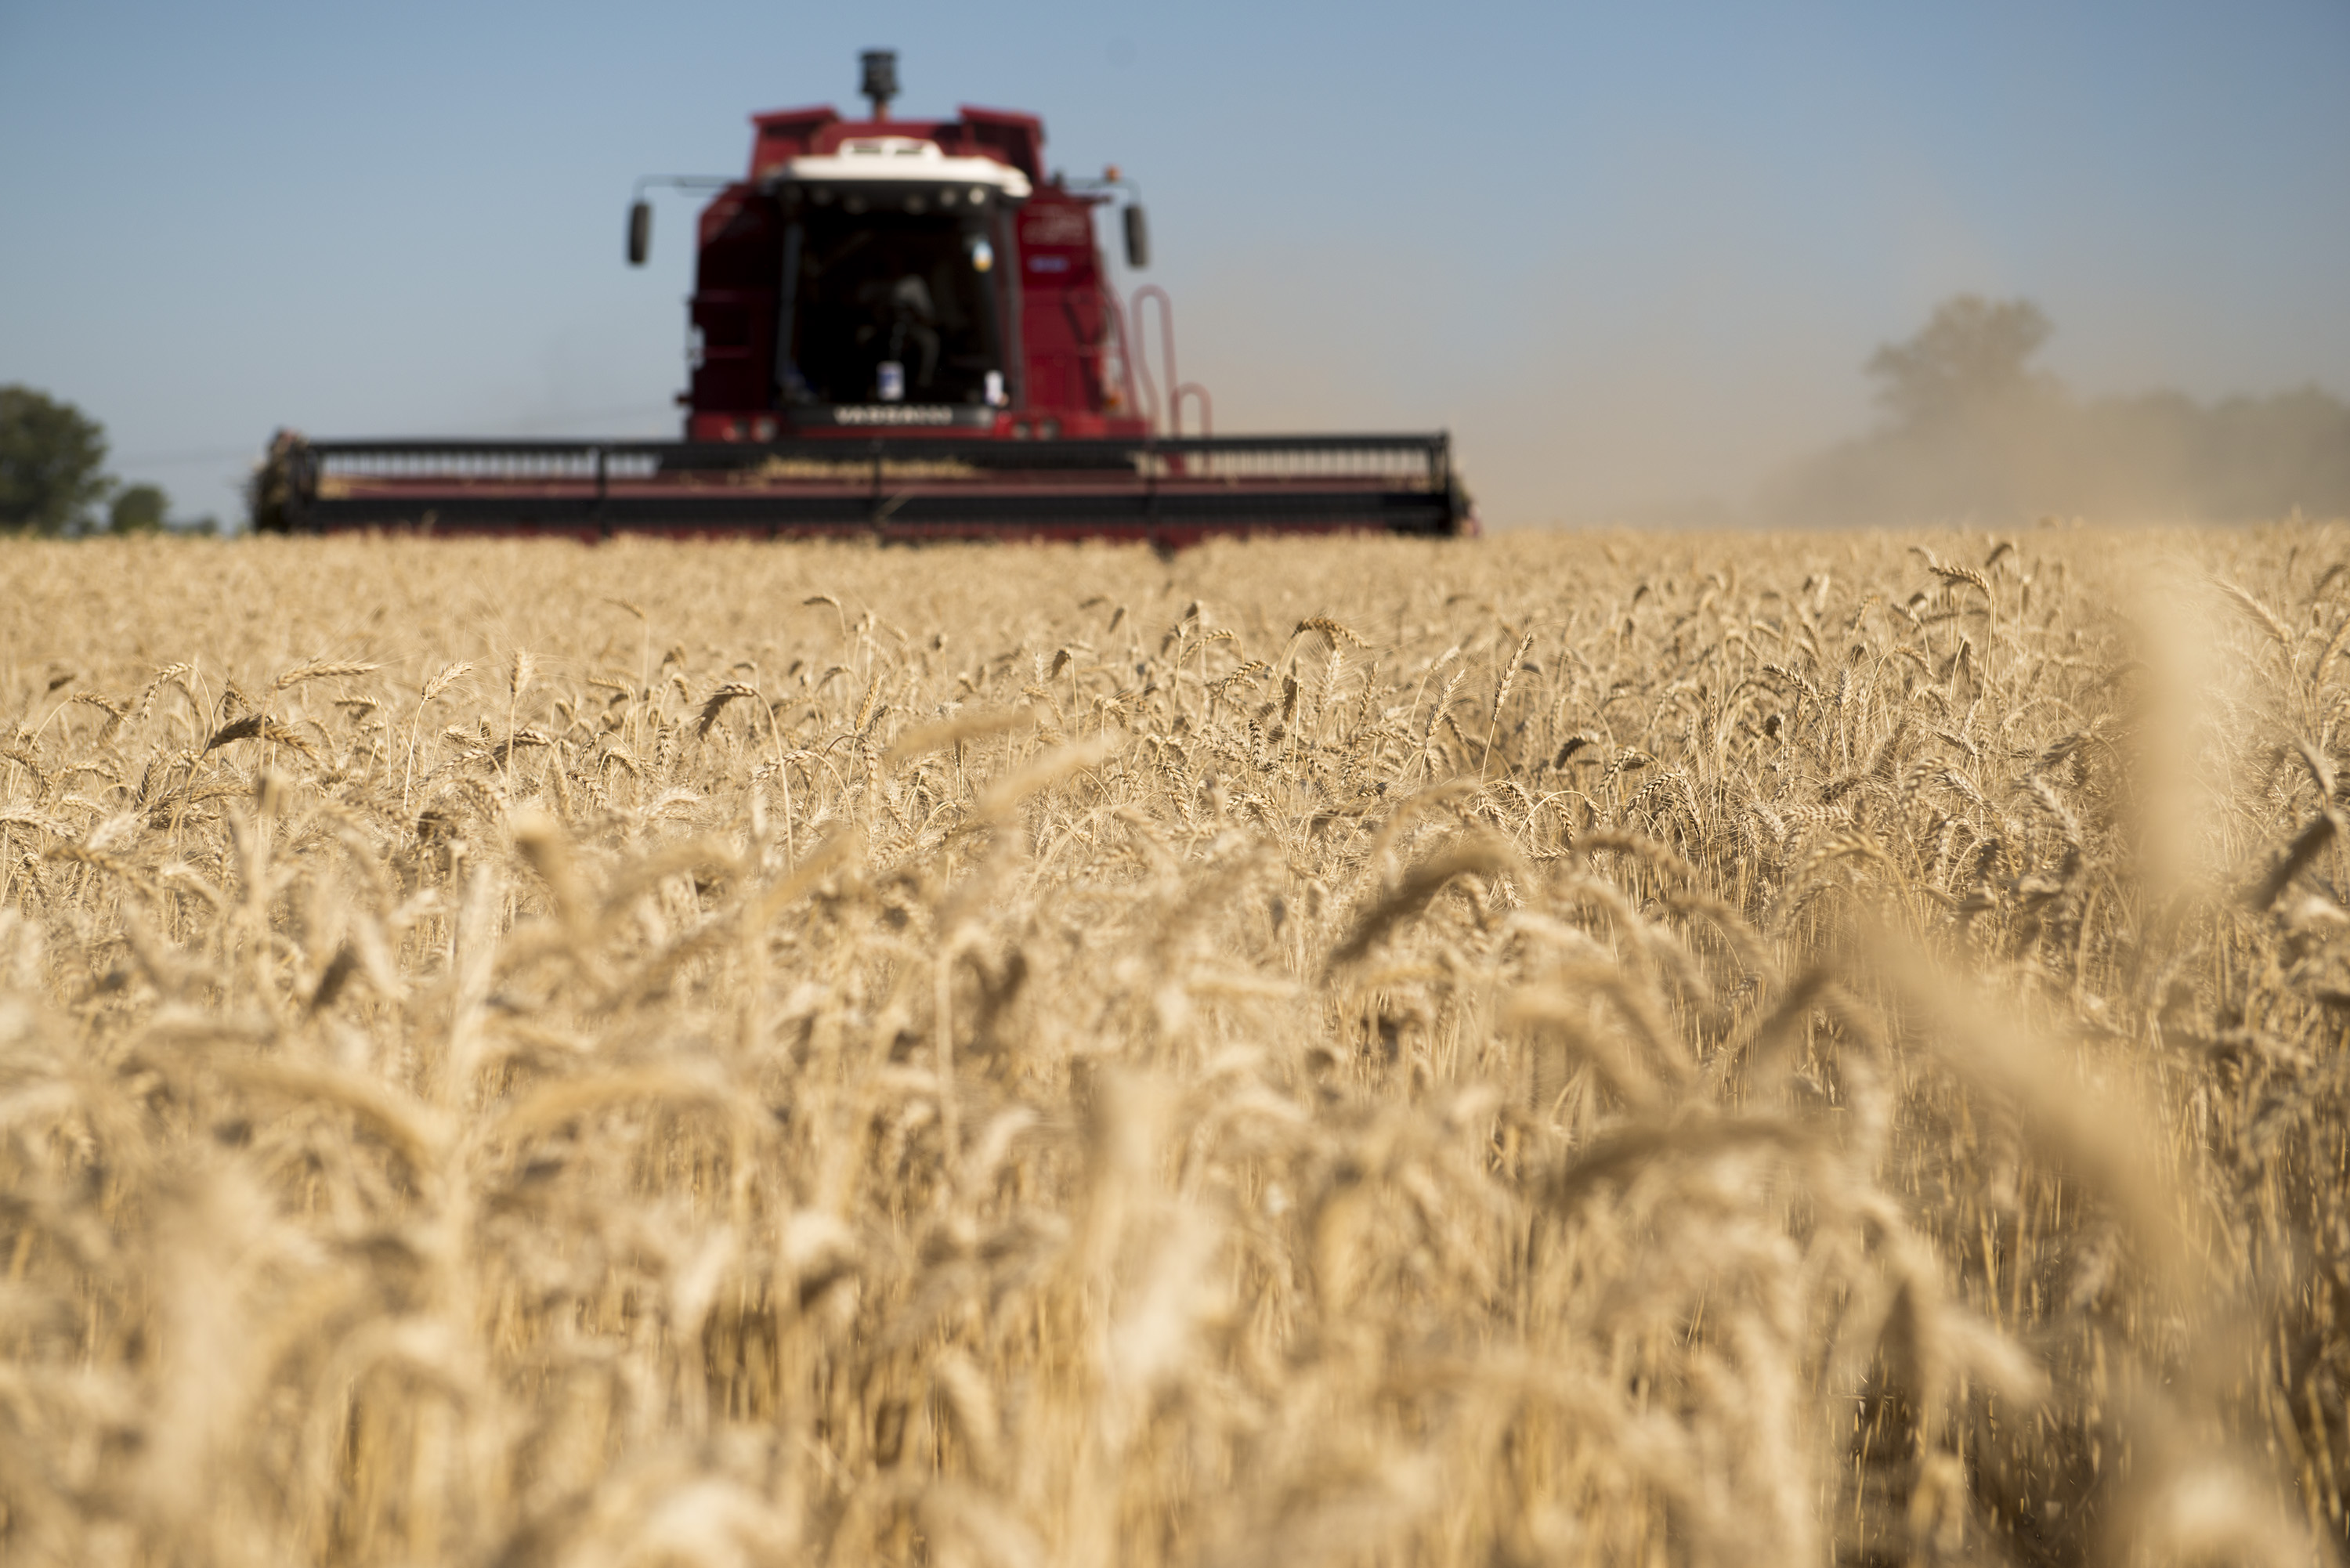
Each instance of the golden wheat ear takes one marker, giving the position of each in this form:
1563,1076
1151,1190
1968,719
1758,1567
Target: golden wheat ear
1843,1065
1476,856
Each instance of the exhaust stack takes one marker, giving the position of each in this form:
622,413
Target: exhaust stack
881,79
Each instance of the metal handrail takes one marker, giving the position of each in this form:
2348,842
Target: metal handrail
1177,388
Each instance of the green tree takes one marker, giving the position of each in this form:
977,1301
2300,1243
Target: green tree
51,458
1971,358
138,509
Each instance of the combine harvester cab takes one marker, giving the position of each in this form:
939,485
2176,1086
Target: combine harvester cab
901,329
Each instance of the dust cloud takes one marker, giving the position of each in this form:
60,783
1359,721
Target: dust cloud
1706,417
1970,431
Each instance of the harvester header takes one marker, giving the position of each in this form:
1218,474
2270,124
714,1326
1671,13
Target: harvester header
902,327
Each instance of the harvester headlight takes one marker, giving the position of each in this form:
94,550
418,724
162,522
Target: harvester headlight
982,255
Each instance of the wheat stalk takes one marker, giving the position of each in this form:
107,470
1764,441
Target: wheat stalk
1834,1093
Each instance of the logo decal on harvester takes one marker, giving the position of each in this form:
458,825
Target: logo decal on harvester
1055,226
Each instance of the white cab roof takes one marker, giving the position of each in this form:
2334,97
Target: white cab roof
907,157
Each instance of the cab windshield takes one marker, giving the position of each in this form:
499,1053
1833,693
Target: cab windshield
888,295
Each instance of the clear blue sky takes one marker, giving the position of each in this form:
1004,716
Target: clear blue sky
1631,255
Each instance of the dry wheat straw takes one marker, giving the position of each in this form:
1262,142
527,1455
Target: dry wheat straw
1845,1068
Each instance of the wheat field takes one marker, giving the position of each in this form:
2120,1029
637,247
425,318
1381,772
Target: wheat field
1556,1050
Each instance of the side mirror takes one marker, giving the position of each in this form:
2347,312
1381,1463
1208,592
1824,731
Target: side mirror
1138,238
640,232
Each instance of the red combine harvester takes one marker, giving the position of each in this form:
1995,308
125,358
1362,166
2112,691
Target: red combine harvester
902,329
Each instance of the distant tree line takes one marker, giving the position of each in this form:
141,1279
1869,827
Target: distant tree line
1972,430
53,477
